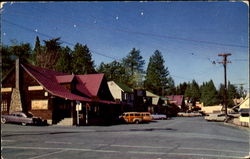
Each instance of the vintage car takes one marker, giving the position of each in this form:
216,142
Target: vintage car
136,117
215,117
21,118
159,116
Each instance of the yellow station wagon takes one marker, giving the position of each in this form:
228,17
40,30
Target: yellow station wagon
136,117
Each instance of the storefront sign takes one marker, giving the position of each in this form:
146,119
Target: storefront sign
39,104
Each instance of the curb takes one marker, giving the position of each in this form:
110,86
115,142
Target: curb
237,126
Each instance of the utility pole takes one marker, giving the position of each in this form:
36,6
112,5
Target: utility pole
224,62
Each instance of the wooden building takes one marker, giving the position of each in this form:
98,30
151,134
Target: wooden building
53,96
122,94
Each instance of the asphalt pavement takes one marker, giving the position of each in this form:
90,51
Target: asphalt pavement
177,138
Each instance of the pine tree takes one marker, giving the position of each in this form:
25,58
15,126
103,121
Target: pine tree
209,94
36,51
82,60
231,94
49,55
21,51
181,88
64,62
114,71
193,92
10,53
134,63
171,89
6,61
157,75
188,91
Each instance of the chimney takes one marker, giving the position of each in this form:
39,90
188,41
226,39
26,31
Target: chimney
17,73
16,103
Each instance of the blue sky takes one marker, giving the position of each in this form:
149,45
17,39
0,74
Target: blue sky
190,35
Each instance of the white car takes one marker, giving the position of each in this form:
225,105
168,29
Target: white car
216,117
159,116
21,118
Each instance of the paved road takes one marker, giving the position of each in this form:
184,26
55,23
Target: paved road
178,138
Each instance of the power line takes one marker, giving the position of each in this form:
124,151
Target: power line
140,33
69,43
165,36
48,36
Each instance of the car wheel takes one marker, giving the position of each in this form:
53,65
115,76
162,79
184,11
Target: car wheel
137,121
3,120
23,124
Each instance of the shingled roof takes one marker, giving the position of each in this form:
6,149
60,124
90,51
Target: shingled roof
89,84
65,78
49,80
177,98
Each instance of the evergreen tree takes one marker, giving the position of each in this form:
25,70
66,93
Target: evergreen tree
64,62
82,60
242,92
188,91
157,76
193,92
209,94
196,91
221,93
36,51
134,63
171,89
181,88
10,53
114,71
231,94
6,61
22,51
48,56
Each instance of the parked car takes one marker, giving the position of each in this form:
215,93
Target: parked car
21,118
216,117
131,117
159,116
136,117
146,116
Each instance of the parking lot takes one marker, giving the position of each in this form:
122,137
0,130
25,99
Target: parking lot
182,138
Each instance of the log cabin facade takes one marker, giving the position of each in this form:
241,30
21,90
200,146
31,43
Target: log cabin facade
54,96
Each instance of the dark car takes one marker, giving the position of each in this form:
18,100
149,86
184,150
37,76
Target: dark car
21,118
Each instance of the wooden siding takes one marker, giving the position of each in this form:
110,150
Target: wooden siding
104,92
38,94
8,82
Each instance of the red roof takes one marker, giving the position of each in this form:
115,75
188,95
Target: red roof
65,78
177,98
47,78
89,84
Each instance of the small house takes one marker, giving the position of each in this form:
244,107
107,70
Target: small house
54,96
244,112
